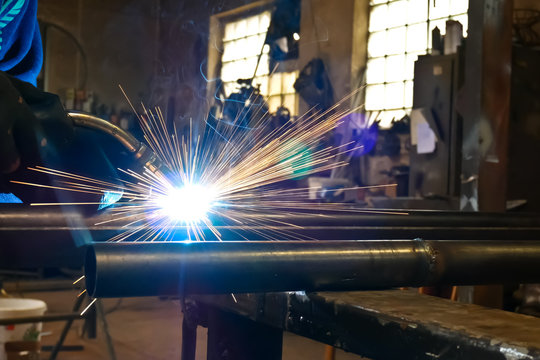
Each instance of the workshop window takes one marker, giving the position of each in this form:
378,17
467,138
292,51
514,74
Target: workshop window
243,40
400,31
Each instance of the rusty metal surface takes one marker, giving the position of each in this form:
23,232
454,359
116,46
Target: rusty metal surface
392,324
439,328
484,103
496,86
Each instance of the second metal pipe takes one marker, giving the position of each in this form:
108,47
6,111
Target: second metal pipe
151,269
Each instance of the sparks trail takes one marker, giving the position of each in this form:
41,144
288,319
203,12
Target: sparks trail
88,307
232,177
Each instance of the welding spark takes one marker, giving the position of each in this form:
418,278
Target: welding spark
190,203
88,307
233,176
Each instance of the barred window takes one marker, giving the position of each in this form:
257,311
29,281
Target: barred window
400,31
243,40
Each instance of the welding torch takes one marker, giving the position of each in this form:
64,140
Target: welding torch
142,153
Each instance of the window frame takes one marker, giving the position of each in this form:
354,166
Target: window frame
216,48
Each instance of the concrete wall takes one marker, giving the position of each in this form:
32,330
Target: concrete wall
120,41
179,85
326,31
155,49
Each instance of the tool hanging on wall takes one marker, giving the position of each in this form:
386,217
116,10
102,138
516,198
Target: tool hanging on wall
314,86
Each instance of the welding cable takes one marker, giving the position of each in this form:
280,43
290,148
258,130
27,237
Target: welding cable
45,36
140,151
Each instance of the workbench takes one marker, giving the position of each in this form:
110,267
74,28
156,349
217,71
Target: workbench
391,324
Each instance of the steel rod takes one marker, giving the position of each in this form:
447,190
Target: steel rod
90,121
41,318
140,151
58,346
20,217
150,269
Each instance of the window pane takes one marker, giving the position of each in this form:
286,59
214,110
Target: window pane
378,18
290,103
241,28
459,7
374,97
395,41
244,70
417,11
275,84
394,96
396,13
417,38
395,68
227,52
439,9
229,31
264,21
254,46
242,49
377,44
273,103
252,25
226,72
409,94
375,71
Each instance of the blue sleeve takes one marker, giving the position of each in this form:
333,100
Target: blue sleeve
21,53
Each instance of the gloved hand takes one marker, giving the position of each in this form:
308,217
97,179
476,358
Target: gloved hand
35,130
33,127
32,122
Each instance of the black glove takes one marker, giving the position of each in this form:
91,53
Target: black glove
35,130
33,126
32,122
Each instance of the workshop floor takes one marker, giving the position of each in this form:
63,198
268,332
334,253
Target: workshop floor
147,328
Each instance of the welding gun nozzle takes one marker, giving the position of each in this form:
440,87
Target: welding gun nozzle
142,153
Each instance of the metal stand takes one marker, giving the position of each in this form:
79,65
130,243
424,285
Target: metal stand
189,339
101,315
67,326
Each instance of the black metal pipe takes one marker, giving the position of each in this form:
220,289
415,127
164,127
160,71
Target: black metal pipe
21,217
150,269
63,223
41,318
